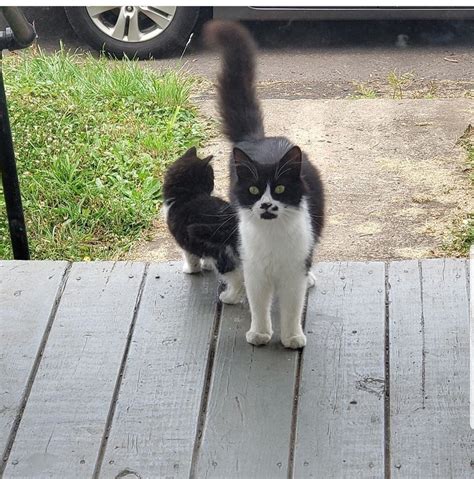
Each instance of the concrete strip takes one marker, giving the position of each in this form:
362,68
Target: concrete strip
393,173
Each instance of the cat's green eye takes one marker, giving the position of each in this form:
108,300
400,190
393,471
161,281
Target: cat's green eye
279,189
254,190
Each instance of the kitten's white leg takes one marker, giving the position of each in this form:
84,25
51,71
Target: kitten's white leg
292,296
259,293
191,263
234,287
207,264
311,279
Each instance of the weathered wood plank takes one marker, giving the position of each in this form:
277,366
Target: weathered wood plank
429,370
64,419
157,411
28,290
340,425
248,426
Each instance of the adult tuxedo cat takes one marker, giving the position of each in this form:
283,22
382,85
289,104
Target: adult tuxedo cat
276,191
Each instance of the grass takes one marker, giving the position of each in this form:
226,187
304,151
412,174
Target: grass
92,139
462,237
363,91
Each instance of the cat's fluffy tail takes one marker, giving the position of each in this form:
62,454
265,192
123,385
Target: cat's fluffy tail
238,104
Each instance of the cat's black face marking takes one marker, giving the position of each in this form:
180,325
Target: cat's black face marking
268,216
280,182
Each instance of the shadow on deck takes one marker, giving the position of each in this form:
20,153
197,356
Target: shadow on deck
134,370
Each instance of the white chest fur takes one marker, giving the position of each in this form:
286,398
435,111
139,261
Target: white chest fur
279,246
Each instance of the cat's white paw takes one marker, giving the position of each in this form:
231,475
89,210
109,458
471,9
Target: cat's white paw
230,296
191,268
207,264
258,339
294,342
311,280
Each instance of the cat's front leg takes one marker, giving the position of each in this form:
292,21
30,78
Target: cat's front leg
291,296
259,294
207,264
191,263
234,286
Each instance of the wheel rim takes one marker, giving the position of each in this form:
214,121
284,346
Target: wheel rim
132,23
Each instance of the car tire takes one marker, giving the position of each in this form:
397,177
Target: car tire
173,37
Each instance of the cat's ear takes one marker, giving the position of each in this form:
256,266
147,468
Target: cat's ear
290,164
244,165
208,159
191,152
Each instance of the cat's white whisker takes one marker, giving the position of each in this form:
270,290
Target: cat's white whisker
280,167
251,168
221,226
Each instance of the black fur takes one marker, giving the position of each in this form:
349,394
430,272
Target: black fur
238,105
243,125
201,224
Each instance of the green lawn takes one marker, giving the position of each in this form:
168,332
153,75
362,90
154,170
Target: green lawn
92,140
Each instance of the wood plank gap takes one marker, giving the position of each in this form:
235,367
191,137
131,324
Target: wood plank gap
294,417
207,385
423,334
34,370
387,457
118,383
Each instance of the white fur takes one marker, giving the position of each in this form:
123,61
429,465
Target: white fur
273,254
191,263
234,287
207,264
165,210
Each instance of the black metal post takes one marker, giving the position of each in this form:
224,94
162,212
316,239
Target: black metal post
11,185
20,35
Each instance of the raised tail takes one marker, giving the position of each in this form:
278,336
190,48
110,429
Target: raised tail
238,104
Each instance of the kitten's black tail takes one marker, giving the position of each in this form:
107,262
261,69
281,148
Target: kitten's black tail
238,104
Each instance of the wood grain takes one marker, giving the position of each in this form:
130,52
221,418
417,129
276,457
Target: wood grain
429,370
248,426
71,422
157,411
28,290
64,419
340,425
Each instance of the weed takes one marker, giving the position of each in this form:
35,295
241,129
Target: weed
427,92
398,82
363,91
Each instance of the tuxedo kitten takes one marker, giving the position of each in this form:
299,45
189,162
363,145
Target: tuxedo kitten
276,191
204,226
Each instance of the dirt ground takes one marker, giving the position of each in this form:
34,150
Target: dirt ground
394,174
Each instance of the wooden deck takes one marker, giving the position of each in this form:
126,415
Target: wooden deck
133,370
